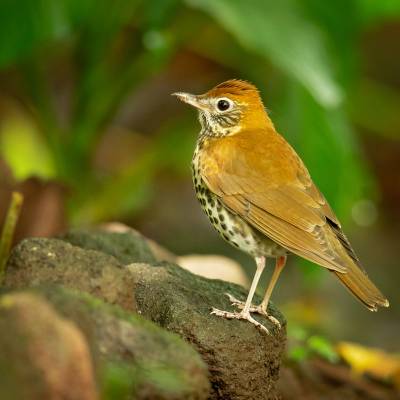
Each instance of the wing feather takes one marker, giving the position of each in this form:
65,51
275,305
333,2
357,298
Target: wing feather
284,204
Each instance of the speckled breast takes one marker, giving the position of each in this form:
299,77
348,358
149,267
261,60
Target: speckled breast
231,227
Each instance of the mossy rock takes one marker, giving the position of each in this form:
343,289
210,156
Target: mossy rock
134,358
127,247
243,362
54,261
42,354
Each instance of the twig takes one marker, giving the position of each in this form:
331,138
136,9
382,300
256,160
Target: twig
8,230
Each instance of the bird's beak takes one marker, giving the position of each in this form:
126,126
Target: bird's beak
191,99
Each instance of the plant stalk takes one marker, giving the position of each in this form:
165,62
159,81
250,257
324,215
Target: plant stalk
7,233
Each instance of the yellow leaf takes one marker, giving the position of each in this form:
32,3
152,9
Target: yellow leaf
23,148
374,362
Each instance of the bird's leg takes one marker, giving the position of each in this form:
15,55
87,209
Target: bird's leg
245,313
262,308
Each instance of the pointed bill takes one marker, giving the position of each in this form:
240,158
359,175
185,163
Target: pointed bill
191,99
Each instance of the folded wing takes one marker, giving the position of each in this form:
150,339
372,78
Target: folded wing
277,197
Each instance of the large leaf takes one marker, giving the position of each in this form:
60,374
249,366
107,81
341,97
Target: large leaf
372,11
278,31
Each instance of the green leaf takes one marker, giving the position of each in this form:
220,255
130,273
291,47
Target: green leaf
24,150
298,353
26,25
322,347
372,11
278,31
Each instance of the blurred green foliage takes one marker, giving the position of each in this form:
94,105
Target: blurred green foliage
302,55
118,381
121,381
304,345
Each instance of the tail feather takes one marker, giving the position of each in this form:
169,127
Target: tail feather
357,281
355,278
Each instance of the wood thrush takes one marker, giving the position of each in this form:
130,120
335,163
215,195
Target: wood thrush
259,196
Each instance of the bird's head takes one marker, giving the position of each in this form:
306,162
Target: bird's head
228,108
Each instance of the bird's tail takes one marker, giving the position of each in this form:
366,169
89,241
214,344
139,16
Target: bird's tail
355,278
357,281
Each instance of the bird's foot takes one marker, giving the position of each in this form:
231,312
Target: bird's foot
239,315
253,309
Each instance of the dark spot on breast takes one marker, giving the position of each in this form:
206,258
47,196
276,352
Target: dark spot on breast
221,217
235,244
223,226
215,220
231,233
225,237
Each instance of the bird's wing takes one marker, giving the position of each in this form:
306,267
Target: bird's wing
269,187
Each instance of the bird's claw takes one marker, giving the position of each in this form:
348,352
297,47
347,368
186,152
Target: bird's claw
253,309
239,315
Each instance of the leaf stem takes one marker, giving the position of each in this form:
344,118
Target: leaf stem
7,233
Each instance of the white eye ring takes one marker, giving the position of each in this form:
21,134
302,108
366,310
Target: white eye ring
224,104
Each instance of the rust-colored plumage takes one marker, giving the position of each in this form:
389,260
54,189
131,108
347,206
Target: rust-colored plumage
253,173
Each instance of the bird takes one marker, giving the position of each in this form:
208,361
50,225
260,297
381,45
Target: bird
260,197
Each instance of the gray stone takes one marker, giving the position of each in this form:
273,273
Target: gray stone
127,247
53,261
243,362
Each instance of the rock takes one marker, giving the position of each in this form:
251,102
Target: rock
214,267
42,355
243,362
107,240
127,247
134,357
159,252
158,363
38,260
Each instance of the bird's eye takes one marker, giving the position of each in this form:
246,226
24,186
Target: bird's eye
224,104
